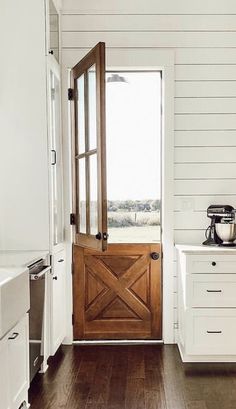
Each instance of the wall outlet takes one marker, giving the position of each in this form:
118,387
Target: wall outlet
187,204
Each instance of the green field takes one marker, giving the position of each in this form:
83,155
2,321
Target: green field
145,234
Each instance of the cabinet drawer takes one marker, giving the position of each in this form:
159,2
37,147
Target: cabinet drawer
211,264
212,332
211,290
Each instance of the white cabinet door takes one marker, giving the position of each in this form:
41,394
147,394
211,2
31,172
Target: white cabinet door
55,146
18,363
58,298
4,378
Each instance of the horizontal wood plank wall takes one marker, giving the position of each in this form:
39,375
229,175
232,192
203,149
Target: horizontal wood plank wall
203,35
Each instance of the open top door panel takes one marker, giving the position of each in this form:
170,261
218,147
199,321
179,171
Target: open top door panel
89,150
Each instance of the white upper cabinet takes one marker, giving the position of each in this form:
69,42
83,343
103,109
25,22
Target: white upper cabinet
53,29
26,208
24,215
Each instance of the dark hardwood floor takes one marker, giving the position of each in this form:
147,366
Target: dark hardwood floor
132,377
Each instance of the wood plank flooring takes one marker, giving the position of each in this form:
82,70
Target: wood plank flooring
131,377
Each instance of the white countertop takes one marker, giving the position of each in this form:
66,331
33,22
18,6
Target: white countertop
19,259
186,248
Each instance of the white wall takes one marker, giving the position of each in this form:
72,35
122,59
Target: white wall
203,36
24,211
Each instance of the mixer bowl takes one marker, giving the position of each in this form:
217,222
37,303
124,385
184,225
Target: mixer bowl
226,232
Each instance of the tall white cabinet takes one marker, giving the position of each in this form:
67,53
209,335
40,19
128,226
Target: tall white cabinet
31,175
57,278
24,210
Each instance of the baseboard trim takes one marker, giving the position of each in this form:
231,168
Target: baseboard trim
119,342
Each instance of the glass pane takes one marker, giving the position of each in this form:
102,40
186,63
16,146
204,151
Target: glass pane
81,117
93,195
133,107
82,196
54,30
56,146
92,115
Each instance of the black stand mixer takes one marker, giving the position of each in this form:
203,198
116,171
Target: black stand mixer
222,230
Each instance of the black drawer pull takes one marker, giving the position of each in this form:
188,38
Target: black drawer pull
214,332
54,278
61,260
213,263
214,291
14,335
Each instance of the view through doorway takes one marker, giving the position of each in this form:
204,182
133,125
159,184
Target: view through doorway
133,132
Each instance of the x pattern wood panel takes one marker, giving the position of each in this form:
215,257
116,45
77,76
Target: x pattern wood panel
117,293
116,287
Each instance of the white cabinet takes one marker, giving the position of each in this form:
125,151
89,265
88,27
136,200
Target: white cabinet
25,211
58,301
4,375
18,350
14,368
207,304
55,153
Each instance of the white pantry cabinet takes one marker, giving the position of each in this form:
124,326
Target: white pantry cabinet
207,303
30,34
24,207
14,368
58,300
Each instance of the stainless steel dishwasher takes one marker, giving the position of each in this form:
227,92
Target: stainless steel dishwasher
37,273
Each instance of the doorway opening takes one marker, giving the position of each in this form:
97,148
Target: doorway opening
133,135
117,278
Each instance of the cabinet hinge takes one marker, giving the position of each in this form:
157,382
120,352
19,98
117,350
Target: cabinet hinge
72,219
73,319
70,94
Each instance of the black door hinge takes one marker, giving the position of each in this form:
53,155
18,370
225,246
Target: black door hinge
73,321
70,94
72,219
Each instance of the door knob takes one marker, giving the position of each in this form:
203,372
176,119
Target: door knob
155,256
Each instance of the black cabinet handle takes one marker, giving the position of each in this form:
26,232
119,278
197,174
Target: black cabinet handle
214,332
14,335
54,278
214,291
55,157
61,260
213,263
50,52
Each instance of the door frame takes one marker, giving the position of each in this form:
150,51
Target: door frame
158,59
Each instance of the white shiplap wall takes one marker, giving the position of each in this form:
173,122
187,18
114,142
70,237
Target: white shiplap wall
203,35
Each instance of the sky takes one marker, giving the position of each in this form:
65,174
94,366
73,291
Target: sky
133,114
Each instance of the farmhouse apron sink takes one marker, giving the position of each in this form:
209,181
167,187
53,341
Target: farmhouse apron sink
14,297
